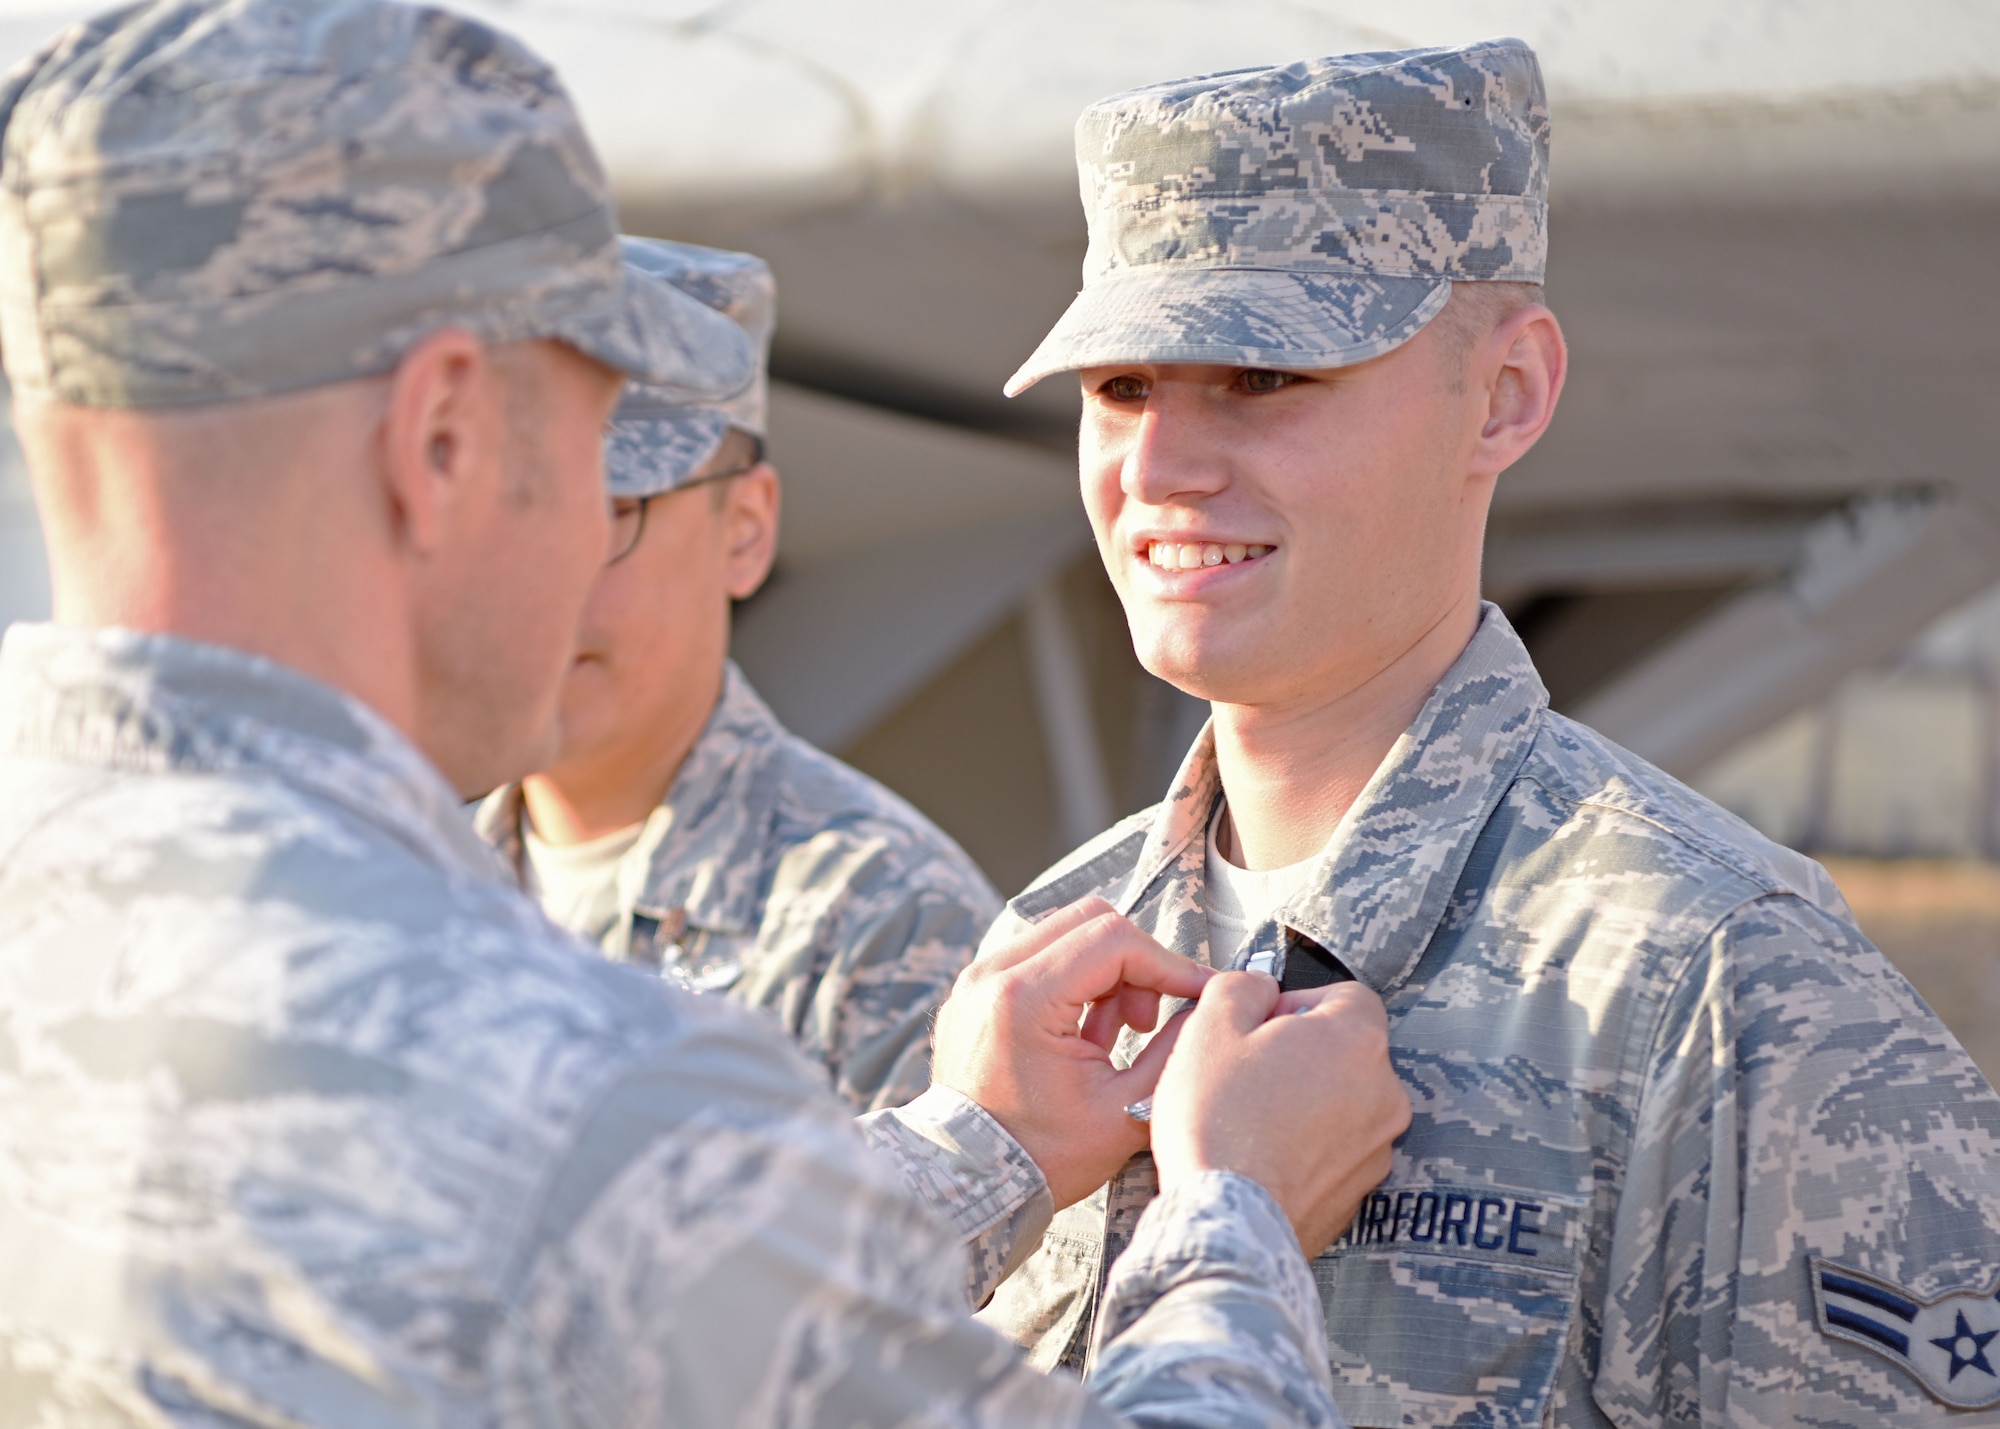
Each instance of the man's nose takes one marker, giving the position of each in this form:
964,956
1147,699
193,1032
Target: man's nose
1174,454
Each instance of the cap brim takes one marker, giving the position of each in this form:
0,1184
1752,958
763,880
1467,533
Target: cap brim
644,456
660,336
1243,317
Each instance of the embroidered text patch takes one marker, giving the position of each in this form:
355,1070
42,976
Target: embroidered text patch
1470,1222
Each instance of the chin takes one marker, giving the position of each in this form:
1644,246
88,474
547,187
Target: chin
504,759
1195,662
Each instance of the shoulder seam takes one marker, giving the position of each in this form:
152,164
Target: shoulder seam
1677,835
1679,980
1685,838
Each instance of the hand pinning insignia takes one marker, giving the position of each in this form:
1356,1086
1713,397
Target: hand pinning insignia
1941,1343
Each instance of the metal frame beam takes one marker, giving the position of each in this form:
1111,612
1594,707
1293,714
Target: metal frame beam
1868,579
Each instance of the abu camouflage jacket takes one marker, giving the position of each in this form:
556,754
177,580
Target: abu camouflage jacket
309,1118
801,887
1686,1148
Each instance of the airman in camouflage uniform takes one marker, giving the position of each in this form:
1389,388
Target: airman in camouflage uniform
307,1116
1686,1148
769,870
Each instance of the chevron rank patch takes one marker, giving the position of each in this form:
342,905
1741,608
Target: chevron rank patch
1947,1344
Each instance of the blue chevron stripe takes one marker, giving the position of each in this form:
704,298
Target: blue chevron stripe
1904,1310
1862,1325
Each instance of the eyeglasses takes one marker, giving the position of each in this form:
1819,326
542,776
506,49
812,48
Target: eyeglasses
628,513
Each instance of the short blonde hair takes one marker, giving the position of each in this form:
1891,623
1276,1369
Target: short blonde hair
1474,310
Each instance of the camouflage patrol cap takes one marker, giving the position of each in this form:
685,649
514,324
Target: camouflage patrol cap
1307,216
211,199
657,439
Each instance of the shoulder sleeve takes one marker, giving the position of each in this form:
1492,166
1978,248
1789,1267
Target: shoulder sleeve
859,946
1211,1315
719,1247
956,1159
1801,1107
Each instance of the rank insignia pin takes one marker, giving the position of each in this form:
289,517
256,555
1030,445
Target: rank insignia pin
1947,1344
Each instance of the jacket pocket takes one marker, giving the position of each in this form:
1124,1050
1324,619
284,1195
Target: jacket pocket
1043,1306
1442,1314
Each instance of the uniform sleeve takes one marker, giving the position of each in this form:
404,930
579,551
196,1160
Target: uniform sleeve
957,1160
720,1247
1801,1108
1212,1312
895,968
860,945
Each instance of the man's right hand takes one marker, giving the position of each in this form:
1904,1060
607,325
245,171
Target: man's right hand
1299,1098
1029,1029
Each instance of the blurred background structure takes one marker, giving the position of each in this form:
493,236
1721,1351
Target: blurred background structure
1773,474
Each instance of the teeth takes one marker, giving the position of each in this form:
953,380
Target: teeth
1195,555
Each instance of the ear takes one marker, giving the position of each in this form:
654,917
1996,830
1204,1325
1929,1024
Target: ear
436,434
750,525
1522,364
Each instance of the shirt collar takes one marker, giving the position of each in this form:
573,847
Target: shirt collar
701,853
125,700
705,846
1381,885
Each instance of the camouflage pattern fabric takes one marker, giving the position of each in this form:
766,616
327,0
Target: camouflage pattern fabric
657,440
1662,1088
801,887
307,1117
203,200
1304,216
644,456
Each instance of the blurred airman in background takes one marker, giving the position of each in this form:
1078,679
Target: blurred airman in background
682,829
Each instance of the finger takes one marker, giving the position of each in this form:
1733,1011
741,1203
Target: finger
1135,1007
1341,999
1091,962
1101,1023
1240,1001
1143,1075
1139,1008
1307,998
1302,1001
1033,938
1139,1079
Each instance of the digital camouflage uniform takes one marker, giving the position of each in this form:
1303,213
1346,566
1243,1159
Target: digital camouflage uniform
771,870
802,887
307,1117
1686,1149
1659,1079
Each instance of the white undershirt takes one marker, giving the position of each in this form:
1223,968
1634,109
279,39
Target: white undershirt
577,884
1238,899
